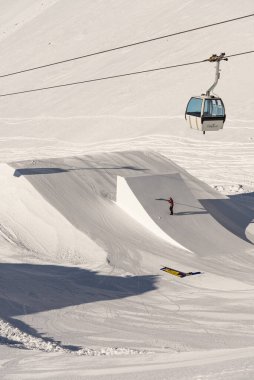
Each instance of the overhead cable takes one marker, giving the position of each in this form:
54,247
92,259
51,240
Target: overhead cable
115,76
235,55
126,46
101,79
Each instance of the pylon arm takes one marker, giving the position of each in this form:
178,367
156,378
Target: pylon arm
216,58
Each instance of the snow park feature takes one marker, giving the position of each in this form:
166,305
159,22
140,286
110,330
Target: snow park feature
97,278
138,203
178,273
193,228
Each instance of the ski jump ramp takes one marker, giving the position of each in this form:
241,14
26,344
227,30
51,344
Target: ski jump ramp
191,227
137,197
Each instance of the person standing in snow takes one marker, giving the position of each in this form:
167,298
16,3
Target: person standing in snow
171,206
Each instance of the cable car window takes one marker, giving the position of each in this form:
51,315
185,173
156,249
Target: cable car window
194,107
213,108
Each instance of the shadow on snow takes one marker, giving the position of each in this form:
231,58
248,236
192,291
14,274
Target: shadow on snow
229,213
28,289
38,171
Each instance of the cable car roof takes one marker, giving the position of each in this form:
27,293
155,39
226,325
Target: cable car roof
204,96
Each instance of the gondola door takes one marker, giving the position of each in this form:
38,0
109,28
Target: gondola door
193,113
213,115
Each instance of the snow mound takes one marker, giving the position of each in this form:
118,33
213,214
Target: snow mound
80,192
31,223
195,222
14,337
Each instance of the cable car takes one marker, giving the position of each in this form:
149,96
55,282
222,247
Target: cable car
207,112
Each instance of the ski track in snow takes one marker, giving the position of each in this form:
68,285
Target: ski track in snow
169,312
14,337
68,301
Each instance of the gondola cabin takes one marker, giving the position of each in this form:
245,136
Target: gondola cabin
205,113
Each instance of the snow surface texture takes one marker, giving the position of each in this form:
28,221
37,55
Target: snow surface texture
83,309
79,276
127,200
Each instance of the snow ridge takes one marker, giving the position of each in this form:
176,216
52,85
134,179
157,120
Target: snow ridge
14,337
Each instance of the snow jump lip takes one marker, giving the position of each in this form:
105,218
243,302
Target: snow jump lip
191,228
137,197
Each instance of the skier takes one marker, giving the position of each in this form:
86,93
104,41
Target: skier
171,205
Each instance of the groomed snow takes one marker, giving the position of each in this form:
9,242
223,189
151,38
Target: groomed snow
81,290
130,202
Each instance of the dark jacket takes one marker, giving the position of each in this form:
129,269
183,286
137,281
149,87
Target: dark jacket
171,202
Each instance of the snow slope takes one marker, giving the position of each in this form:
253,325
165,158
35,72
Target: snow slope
193,226
32,224
76,311
127,113
130,202
84,190
80,278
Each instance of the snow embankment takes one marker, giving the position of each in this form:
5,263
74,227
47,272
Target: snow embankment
129,202
14,337
30,222
195,222
83,190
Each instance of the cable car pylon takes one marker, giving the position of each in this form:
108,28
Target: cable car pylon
207,112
